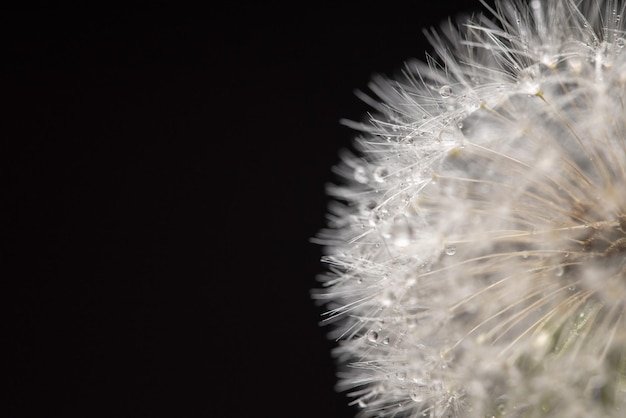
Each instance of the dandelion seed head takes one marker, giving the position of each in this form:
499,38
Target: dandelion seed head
476,247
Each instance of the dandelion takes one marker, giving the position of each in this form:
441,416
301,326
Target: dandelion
476,246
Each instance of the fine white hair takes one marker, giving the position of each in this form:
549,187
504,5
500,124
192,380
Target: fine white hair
476,244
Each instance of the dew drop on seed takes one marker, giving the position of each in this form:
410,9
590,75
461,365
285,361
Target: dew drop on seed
559,271
401,232
450,135
470,102
416,395
450,249
360,175
372,336
380,173
389,297
529,79
445,91
572,288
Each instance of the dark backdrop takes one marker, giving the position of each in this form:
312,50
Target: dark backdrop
164,173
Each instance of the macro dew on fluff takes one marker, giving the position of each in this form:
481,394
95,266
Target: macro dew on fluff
476,244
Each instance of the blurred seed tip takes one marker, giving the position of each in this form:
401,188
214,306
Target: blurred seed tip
476,244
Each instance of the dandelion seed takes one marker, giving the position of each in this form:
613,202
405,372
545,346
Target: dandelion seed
494,181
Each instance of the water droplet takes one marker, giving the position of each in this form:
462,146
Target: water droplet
389,297
401,375
572,288
401,232
451,135
360,174
528,79
450,249
417,394
559,271
620,42
362,403
372,336
380,173
445,91
386,341
470,102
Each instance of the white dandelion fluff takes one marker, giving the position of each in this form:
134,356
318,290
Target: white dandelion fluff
476,248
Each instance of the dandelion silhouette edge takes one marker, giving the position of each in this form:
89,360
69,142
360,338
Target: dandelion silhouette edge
476,244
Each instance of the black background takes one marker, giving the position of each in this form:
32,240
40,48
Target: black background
164,173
